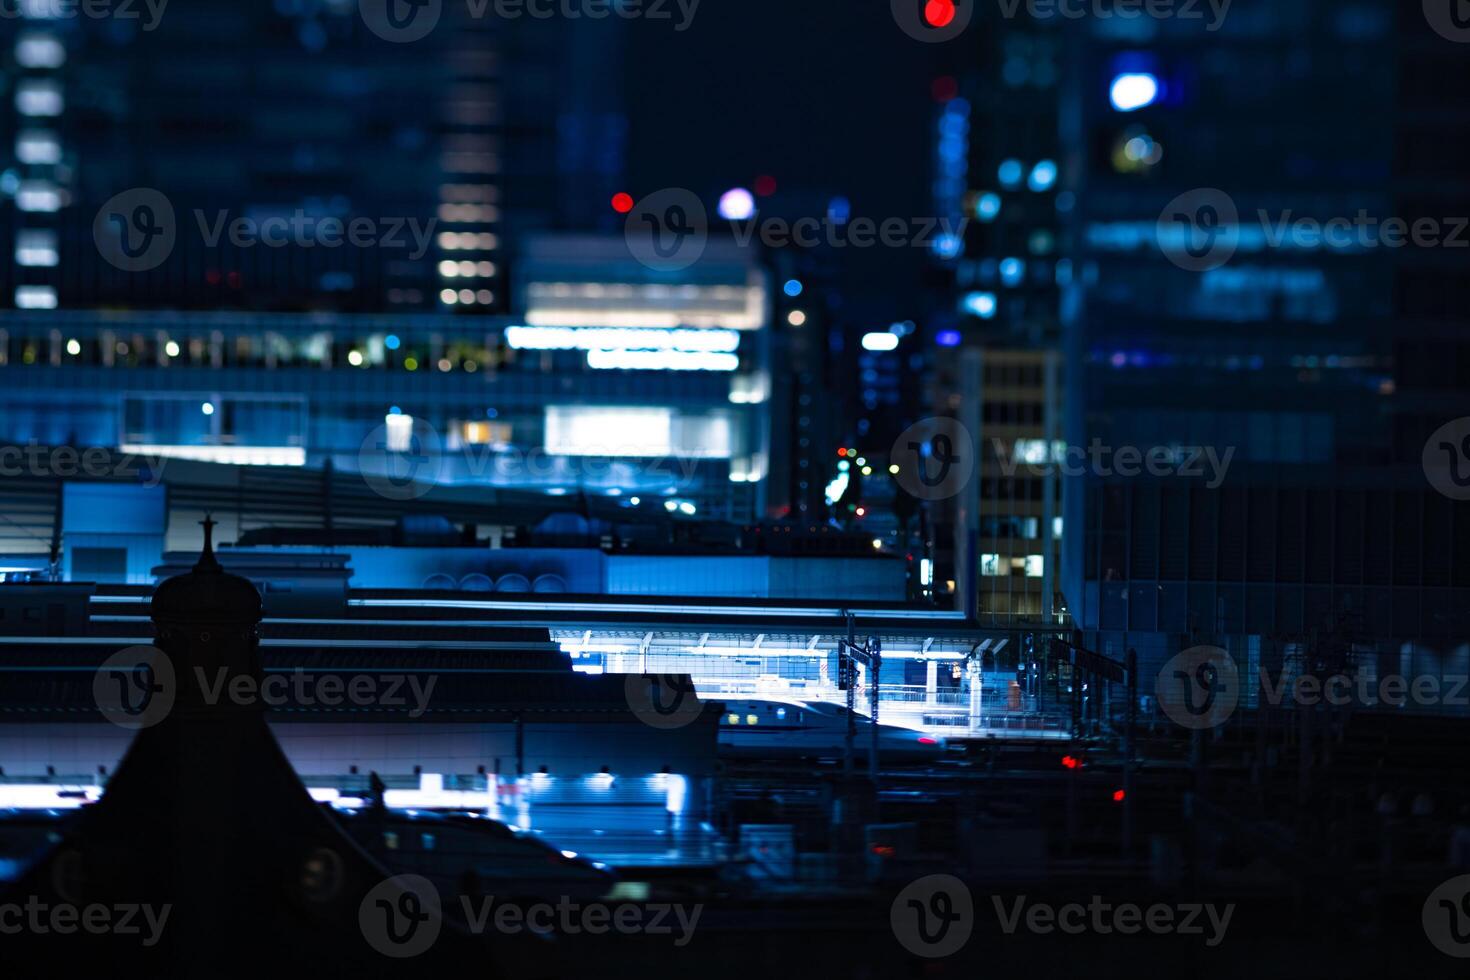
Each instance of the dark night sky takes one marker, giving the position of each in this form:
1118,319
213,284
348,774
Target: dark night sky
828,102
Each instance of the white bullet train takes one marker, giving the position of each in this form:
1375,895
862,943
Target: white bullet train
776,728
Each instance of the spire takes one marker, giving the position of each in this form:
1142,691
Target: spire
207,562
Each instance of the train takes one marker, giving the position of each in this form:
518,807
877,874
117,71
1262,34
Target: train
779,728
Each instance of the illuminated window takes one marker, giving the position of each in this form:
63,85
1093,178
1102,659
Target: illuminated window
990,565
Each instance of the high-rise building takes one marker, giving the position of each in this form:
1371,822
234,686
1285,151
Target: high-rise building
1252,369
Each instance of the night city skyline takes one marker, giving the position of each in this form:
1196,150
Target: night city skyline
544,487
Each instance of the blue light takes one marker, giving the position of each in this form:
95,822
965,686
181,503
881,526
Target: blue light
793,288
1043,176
947,245
737,204
1132,91
1009,174
395,410
948,338
979,304
987,206
1012,271
392,342
839,209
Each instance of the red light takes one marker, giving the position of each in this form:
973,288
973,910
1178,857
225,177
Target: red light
944,88
939,13
622,203
842,452
1070,762
926,740
765,185
1118,796
883,850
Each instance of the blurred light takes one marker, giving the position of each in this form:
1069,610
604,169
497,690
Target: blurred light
944,88
392,342
737,204
796,318
400,433
861,512
987,206
939,13
1009,173
687,508
877,544
894,469
1012,271
207,408
793,288
977,304
765,185
622,203
1131,91
39,51
659,360
171,348
1119,796
354,357
617,338
839,210
948,245
35,297
948,338
1043,176
884,341
73,347
37,146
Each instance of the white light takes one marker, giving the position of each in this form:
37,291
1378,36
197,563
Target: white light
877,544
37,97
171,348
687,509
36,249
796,318
73,347
39,51
37,147
207,408
232,455
400,433
737,204
660,360
38,195
1043,176
35,297
1131,91
615,338
884,341
354,357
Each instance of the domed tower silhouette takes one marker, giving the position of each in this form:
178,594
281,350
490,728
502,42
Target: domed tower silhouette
205,818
